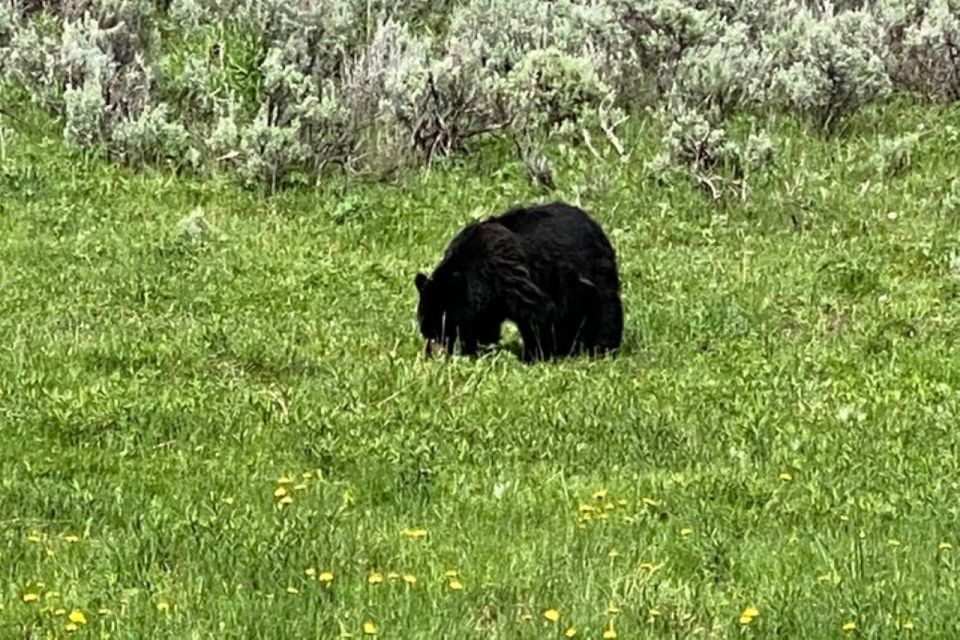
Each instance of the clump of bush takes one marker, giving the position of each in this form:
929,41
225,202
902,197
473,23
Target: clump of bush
277,92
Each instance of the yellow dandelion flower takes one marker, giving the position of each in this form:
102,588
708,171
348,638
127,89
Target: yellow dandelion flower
71,627
785,477
279,492
375,578
906,624
552,615
299,487
613,553
325,576
409,578
570,632
311,572
849,626
228,500
451,573
750,612
393,575
599,494
306,475
612,608
76,616
286,500
456,585
650,502
51,594
293,590
163,607
586,508
944,546
284,480
843,518
415,533
610,633
369,628
686,531
71,539
30,597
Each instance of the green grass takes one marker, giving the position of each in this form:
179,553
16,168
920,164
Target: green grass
154,389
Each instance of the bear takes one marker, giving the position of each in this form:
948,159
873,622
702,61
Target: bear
548,268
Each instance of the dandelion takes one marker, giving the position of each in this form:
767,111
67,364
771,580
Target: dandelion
51,594
60,612
163,607
71,539
71,627
76,616
570,632
369,628
613,553
610,633
415,534
228,500
456,585
552,615
293,590
30,597
285,500
299,487
375,578
612,609
284,480
325,576
311,572
944,546
586,509
785,477
409,578
451,573
600,494
748,614
849,626
306,475
279,492
686,531
393,575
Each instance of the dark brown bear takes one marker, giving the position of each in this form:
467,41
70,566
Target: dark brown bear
547,268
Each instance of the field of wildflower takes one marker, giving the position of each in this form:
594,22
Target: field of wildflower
215,416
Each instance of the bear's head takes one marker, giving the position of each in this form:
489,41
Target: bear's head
444,312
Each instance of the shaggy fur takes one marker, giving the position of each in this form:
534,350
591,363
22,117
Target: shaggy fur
548,268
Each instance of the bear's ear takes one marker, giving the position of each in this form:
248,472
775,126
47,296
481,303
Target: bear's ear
420,281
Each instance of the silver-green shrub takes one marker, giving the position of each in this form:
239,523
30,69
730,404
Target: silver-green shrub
828,65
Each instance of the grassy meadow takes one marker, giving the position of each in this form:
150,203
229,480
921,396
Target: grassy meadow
232,433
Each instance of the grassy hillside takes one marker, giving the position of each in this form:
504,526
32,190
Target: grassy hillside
779,432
